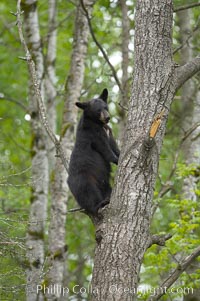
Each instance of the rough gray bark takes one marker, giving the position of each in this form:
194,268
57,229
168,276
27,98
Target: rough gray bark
60,191
190,112
38,207
187,71
123,230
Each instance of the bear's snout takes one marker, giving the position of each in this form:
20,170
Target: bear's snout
105,117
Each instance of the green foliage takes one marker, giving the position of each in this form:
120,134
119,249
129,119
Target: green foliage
181,218
15,164
185,170
174,213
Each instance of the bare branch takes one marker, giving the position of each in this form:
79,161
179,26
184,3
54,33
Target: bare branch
167,186
188,38
186,7
159,239
16,174
186,71
100,47
56,26
181,267
9,243
36,87
51,35
15,141
190,131
75,210
7,98
187,134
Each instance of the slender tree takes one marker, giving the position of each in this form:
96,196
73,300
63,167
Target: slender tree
125,40
190,114
40,172
50,77
59,188
122,232
42,154
190,105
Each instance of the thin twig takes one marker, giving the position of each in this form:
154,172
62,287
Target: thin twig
16,174
188,38
7,98
181,267
100,47
33,76
186,7
55,27
75,210
187,134
167,186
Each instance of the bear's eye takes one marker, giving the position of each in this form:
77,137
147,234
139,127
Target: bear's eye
99,111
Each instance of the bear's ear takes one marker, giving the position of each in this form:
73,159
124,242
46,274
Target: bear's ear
81,105
104,95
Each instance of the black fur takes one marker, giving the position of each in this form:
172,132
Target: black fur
94,150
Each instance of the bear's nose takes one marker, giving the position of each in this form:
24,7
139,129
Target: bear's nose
107,119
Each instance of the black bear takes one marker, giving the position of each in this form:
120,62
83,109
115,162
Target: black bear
94,150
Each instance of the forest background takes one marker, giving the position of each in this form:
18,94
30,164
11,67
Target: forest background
32,178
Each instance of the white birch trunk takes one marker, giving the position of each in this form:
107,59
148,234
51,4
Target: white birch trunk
125,39
60,191
191,147
191,115
50,78
40,174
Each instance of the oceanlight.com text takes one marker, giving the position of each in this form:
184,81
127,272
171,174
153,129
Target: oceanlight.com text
59,290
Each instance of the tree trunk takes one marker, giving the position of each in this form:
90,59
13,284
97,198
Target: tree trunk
125,39
40,174
60,191
190,109
190,114
50,78
122,232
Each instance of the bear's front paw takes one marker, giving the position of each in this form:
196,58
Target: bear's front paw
104,202
115,161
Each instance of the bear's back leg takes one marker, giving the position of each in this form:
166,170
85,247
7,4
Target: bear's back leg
86,192
90,198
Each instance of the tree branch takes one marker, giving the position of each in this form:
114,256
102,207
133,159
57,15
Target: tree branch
186,71
188,38
33,75
75,210
159,239
186,7
7,98
167,186
57,25
100,47
174,275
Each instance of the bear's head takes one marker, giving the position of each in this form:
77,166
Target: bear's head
96,109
